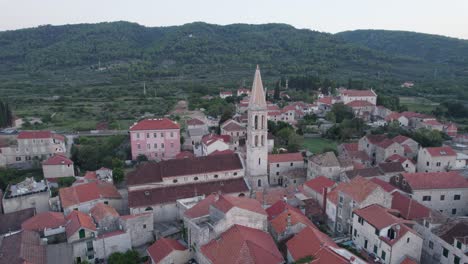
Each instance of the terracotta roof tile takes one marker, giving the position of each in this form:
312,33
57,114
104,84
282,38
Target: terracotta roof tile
279,207
308,242
58,159
212,138
358,93
327,159
222,152
87,192
401,139
77,220
391,167
225,203
366,173
358,189
154,124
101,211
185,155
195,122
231,125
44,220
202,208
280,222
441,151
359,103
12,221
144,198
163,247
39,135
435,180
317,184
351,146
245,245
23,247
154,172
285,157
409,260
385,185
409,208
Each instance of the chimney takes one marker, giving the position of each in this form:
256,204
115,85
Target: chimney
288,221
324,202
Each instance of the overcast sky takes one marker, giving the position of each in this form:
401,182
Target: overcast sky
443,17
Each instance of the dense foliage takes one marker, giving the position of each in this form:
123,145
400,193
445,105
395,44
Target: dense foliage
129,257
6,117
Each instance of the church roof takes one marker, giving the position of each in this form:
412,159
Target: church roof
257,98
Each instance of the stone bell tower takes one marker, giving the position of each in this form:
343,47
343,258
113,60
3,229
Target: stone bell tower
257,132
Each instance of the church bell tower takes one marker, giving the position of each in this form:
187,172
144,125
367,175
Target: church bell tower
257,132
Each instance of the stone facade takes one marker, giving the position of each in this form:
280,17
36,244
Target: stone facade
37,200
139,227
58,171
277,169
428,163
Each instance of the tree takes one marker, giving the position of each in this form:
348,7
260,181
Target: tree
276,95
428,138
6,116
142,158
295,142
118,175
339,112
129,257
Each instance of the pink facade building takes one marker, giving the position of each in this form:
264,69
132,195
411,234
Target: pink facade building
157,139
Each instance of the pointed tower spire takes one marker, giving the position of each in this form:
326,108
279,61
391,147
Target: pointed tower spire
257,98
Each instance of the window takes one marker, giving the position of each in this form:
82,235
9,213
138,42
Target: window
456,197
442,197
338,227
377,231
291,164
383,255
456,259
148,146
144,226
81,233
375,249
172,134
445,252
459,244
407,240
438,164
431,244
162,145
155,135
256,141
106,202
216,176
138,146
155,145
18,158
365,244
138,135
426,198
427,163
277,173
147,135
259,183
259,161
277,165
162,134
235,173
355,232
195,179
174,181
341,199
256,122
339,212
361,220
454,211
262,141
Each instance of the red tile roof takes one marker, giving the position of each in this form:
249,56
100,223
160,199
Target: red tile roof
90,175
435,180
23,248
358,189
400,139
225,203
280,223
111,234
87,192
185,155
39,135
317,184
391,167
195,122
101,211
244,245
432,122
231,125
325,100
378,216
359,103
409,208
58,159
398,158
155,124
163,247
409,260
212,138
44,220
202,208
385,185
361,93
154,172
279,207
308,242
221,152
385,143
144,198
351,146
374,139
77,220
441,151
285,157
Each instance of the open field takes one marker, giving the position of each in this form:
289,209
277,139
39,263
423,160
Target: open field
317,145
418,104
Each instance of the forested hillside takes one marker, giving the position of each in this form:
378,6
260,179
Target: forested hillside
80,74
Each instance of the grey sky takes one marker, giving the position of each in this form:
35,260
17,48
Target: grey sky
449,17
